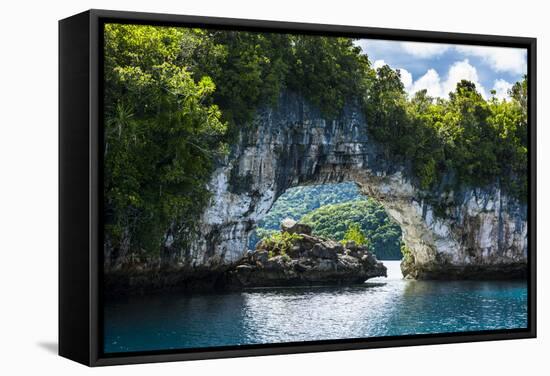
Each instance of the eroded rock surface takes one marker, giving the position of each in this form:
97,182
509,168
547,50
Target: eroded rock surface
452,231
307,260
463,230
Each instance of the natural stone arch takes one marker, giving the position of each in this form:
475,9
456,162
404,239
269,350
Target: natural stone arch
473,232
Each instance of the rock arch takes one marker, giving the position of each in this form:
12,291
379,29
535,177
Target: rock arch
474,232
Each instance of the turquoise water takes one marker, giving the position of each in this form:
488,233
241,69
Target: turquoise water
382,307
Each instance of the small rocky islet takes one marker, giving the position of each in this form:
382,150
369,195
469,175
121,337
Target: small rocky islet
302,259
296,259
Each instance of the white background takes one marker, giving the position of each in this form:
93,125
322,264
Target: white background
28,186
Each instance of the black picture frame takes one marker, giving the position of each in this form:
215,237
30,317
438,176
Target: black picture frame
80,189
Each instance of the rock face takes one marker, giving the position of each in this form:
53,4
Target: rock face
481,234
461,233
292,227
465,232
307,261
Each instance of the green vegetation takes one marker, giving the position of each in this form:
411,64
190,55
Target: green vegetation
279,243
333,210
366,217
407,253
473,140
328,71
297,202
259,234
175,98
355,234
251,69
160,137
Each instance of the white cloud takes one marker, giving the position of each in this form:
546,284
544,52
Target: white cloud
424,50
378,64
429,81
406,78
454,63
436,87
374,47
501,59
462,70
501,87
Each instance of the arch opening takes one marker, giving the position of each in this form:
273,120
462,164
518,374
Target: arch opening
467,232
335,211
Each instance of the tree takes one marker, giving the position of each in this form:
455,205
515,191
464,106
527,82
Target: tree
509,120
463,140
249,70
519,94
160,137
386,109
355,234
333,221
328,71
175,98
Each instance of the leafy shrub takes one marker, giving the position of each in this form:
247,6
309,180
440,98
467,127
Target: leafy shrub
355,234
280,243
406,252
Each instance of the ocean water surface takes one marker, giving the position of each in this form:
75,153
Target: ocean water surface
381,307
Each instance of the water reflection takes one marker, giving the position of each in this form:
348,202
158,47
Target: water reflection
169,321
383,307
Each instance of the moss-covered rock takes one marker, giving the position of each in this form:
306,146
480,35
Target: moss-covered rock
305,260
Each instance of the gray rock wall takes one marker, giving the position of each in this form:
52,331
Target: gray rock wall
466,233
462,233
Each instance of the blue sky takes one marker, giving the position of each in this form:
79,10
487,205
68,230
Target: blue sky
438,67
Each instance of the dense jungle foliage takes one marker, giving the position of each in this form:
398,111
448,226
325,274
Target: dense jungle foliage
298,201
331,209
175,99
351,220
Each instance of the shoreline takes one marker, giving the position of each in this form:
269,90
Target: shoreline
145,282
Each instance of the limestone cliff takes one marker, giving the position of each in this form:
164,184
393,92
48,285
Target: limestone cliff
468,232
465,232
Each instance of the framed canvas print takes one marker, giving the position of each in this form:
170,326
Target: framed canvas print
238,187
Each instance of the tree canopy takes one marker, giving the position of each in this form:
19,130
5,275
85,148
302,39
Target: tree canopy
175,98
470,140
331,209
160,136
354,219
299,201
355,235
